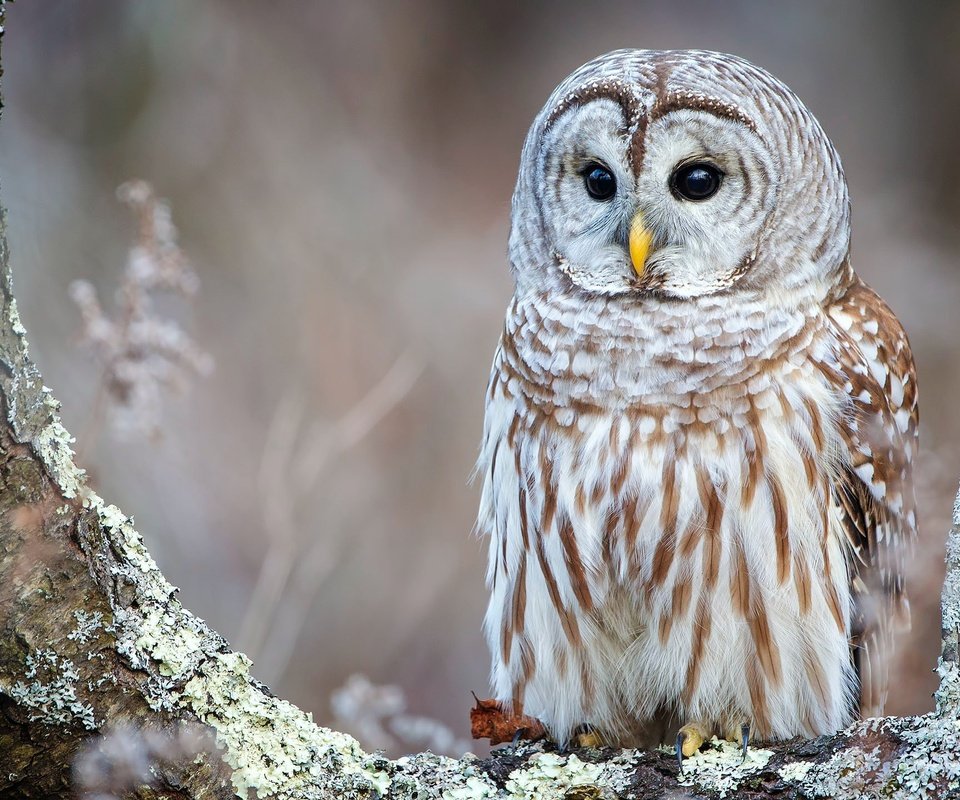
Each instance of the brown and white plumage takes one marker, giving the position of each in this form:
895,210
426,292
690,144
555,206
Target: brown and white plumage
696,470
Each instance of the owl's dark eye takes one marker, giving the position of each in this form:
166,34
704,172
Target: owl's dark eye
695,181
601,185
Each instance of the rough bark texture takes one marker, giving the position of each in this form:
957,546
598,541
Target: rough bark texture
92,637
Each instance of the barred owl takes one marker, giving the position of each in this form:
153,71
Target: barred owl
700,422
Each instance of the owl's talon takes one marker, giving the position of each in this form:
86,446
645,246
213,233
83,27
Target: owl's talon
690,739
745,738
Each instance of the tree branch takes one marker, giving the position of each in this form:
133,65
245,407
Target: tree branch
93,640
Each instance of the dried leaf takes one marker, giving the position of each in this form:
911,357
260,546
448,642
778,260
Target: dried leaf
488,720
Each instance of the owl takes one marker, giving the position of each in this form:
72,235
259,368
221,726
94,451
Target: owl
700,422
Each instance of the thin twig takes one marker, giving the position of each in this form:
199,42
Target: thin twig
288,474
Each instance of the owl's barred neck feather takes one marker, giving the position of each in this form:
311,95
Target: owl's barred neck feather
629,351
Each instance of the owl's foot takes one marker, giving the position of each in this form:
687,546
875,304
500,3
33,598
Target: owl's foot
741,735
690,739
587,736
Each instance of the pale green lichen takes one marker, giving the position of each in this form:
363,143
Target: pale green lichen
548,775
795,771
171,644
931,764
272,746
14,315
948,668
50,691
87,626
53,445
721,767
474,788
844,776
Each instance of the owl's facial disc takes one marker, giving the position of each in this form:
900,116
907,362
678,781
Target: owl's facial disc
707,188
682,222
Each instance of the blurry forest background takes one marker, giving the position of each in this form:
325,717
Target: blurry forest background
340,173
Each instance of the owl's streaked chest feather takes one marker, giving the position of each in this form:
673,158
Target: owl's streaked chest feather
663,540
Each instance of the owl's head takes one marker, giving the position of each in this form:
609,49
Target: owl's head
677,173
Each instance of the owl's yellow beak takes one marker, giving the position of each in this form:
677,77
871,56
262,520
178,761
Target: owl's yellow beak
640,241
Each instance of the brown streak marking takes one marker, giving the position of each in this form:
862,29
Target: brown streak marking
512,432
809,466
702,625
641,505
503,556
786,409
801,579
663,631
834,600
561,661
825,497
596,494
567,620
520,596
621,472
522,500
680,601
506,635
816,425
550,495
580,500
609,531
815,676
758,699
529,668
781,529
689,540
631,521
710,499
763,640
586,682
754,459
610,89
536,425
740,578
663,555
571,553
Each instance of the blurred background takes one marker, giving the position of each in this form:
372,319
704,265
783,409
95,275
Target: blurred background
340,174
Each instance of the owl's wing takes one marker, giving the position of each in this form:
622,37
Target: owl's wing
874,493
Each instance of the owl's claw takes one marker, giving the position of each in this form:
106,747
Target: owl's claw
690,738
745,738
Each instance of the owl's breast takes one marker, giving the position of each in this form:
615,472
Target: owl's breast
653,494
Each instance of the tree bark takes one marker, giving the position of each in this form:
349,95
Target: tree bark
93,639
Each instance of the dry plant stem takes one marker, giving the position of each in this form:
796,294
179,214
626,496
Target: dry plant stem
289,475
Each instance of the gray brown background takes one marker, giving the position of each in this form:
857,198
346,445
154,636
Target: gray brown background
341,173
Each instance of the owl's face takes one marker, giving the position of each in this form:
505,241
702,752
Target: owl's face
682,174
